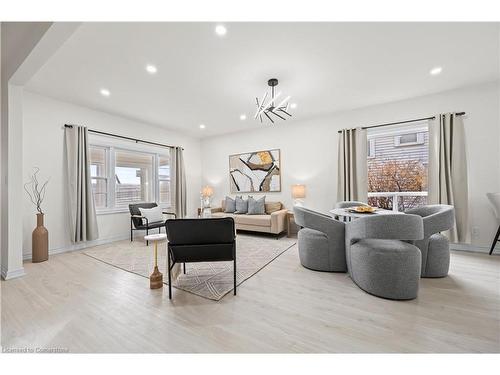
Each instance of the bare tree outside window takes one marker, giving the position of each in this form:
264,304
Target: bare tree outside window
397,168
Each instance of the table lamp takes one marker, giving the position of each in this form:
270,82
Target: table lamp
298,194
206,195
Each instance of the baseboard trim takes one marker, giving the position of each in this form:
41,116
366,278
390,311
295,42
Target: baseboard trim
12,274
80,246
469,248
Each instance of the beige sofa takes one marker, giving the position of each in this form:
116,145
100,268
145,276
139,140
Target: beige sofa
273,222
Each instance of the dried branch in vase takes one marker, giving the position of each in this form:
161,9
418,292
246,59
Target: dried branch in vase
35,190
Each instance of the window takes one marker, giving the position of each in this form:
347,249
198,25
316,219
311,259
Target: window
397,176
98,173
371,148
164,179
123,176
133,178
411,139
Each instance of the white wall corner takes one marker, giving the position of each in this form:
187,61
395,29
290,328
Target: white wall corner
12,274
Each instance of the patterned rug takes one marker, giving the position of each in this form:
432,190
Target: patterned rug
212,280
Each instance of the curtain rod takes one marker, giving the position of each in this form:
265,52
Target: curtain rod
404,122
123,137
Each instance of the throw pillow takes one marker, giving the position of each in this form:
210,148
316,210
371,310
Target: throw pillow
256,207
229,205
241,206
272,207
152,214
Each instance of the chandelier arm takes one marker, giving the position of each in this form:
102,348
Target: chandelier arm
281,117
285,112
270,119
260,108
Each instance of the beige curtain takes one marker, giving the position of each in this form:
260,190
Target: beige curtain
82,215
352,166
448,171
178,182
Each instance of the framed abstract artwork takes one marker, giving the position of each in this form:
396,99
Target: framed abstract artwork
255,172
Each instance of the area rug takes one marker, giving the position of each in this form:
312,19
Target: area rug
212,280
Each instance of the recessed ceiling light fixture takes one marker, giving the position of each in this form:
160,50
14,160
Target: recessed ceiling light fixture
272,106
243,117
202,126
436,70
293,105
151,69
105,92
220,30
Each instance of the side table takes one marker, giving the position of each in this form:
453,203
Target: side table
156,278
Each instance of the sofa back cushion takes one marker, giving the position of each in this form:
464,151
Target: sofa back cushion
229,205
241,205
271,207
256,206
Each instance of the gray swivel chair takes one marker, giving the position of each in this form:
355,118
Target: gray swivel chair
435,247
347,204
379,258
321,241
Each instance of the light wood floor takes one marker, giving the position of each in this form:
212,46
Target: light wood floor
76,302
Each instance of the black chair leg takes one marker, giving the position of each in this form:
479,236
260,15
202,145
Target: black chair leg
184,267
169,277
131,231
234,270
495,240
147,233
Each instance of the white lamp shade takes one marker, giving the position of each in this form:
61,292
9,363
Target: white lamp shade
298,191
207,191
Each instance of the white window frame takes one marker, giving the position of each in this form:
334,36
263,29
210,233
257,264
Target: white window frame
420,140
371,148
111,149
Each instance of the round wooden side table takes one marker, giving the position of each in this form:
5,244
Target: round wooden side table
156,278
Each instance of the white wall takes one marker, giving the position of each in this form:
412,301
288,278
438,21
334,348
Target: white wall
18,40
43,146
309,149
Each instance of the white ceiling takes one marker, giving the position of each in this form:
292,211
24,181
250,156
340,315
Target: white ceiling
204,78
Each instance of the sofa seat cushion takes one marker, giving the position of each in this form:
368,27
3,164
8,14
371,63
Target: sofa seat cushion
259,220
244,219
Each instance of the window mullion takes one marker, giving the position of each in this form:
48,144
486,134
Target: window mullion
111,177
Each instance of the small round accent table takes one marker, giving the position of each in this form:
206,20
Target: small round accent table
156,278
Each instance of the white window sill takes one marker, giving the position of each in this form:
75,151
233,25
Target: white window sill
123,210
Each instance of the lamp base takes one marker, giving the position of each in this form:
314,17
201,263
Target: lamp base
298,203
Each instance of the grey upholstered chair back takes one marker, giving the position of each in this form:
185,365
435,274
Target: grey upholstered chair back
389,227
494,199
347,204
437,217
333,229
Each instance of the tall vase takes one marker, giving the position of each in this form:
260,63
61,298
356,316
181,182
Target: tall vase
40,241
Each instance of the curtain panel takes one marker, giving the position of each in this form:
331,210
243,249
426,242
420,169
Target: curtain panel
352,166
81,208
448,181
178,189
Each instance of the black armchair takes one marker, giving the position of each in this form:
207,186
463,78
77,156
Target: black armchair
139,222
200,240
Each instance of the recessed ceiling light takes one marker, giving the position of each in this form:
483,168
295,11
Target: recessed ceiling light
436,70
151,69
293,105
220,30
243,117
105,92
202,126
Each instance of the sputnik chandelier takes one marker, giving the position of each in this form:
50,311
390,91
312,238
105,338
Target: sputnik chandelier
269,108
